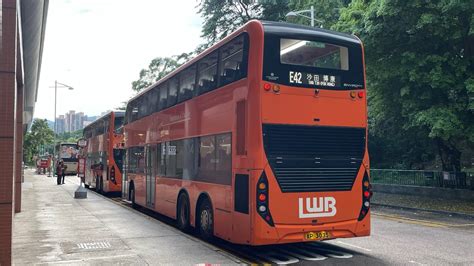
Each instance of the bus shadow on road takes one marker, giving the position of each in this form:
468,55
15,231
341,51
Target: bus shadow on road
297,253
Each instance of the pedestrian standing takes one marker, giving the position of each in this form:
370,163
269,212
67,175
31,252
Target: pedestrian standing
59,172
64,171
50,164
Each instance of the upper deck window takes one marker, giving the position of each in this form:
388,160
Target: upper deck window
187,78
172,91
233,63
313,54
207,73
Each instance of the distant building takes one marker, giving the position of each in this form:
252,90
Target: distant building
72,121
60,124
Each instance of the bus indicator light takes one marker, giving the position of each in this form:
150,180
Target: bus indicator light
262,186
353,94
366,194
360,94
262,197
276,88
366,183
262,208
267,86
366,204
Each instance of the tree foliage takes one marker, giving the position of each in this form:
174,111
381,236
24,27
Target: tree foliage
419,65
157,69
419,60
40,135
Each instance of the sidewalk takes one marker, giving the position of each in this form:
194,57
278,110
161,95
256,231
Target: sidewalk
424,203
53,227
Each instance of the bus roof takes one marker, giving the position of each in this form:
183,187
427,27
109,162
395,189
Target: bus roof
117,114
269,27
288,29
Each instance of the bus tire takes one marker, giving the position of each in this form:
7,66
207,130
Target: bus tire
86,185
206,219
183,213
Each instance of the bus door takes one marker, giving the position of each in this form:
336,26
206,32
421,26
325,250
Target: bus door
150,153
125,176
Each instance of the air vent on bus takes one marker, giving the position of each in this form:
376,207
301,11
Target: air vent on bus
314,158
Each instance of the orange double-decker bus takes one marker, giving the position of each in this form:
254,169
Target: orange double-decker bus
261,139
105,153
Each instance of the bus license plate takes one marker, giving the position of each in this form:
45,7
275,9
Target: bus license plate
317,235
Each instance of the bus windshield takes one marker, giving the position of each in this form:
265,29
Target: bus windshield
68,152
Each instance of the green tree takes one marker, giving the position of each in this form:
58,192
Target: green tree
40,135
326,12
158,68
73,136
223,17
419,59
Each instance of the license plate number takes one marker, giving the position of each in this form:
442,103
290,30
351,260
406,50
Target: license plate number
317,235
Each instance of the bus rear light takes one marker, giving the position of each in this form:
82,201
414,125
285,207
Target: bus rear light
267,86
360,94
352,94
366,194
262,199
276,88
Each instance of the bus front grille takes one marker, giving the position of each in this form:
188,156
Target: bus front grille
314,158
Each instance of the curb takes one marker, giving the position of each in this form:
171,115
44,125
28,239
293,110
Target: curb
456,214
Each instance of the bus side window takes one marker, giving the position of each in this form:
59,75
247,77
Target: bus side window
224,159
187,79
163,96
172,91
207,73
232,64
142,107
133,111
155,100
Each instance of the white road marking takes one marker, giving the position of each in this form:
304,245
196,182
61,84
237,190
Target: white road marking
354,246
415,262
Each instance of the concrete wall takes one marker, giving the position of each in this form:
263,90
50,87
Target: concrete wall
435,192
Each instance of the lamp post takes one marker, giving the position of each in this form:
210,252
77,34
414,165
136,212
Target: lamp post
311,17
56,85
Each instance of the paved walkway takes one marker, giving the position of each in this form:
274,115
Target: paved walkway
425,203
55,228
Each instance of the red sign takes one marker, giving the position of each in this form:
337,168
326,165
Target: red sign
44,163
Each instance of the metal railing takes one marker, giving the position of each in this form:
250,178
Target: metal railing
462,180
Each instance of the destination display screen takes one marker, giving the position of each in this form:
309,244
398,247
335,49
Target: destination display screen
312,79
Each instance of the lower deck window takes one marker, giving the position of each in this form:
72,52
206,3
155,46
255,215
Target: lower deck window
206,159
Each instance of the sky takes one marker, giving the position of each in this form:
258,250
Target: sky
99,47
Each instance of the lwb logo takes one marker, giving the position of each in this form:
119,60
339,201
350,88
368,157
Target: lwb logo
317,207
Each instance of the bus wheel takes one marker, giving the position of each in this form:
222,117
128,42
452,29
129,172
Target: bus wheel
86,185
206,220
183,213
